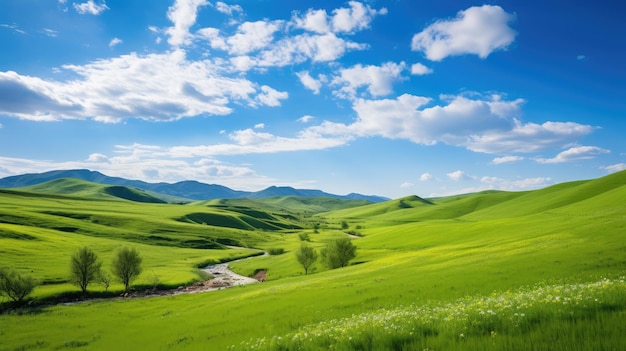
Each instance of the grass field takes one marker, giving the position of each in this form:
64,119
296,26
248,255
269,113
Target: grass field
536,270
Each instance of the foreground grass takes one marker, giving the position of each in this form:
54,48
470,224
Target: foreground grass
586,316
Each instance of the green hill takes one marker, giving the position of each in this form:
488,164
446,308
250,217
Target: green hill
533,270
81,188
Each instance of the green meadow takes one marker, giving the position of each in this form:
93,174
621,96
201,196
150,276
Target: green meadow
534,270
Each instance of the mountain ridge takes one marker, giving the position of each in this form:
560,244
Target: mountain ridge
188,189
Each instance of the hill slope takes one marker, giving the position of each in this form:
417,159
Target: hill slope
80,188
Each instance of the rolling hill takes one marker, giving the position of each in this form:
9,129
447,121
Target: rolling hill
531,270
181,191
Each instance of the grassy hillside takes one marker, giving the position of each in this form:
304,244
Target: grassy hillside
536,270
81,188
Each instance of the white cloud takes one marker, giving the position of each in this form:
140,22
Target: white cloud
163,87
406,185
377,79
306,119
50,32
98,158
481,124
343,20
227,9
251,36
270,96
426,177
183,14
114,42
90,7
506,159
615,168
575,154
458,176
149,163
309,82
313,21
355,18
529,137
477,30
419,69
249,141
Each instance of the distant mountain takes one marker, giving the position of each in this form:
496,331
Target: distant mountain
188,189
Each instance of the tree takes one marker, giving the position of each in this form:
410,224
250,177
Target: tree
306,255
126,266
338,253
84,267
14,285
344,225
104,278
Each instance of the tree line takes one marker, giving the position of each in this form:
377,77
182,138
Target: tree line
85,268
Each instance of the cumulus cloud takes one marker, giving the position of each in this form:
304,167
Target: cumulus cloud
479,30
90,7
575,154
227,9
406,185
419,69
506,159
303,119
426,177
163,87
377,79
615,168
183,15
486,124
309,82
343,20
458,176
114,42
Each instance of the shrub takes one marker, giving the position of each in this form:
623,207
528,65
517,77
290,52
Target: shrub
338,253
14,285
304,237
276,251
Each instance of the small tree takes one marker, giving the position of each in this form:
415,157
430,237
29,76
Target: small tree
338,253
14,285
306,255
104,278
126,266
344,225
84,267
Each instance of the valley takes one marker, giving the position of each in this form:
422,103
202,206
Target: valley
482,271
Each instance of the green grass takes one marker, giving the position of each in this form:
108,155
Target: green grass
448,258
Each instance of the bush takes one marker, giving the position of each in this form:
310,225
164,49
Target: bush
276,251
338,253
304,237
14,285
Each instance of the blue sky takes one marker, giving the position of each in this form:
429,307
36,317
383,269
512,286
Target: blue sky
390,98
